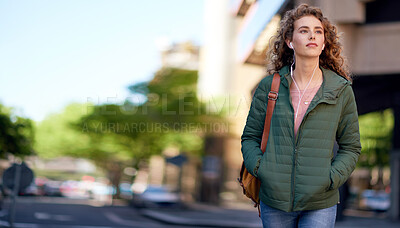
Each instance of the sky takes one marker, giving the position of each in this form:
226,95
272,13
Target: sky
53,53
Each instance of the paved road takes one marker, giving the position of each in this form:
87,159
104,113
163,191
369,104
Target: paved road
62,213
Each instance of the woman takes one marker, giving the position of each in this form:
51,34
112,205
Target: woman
299,173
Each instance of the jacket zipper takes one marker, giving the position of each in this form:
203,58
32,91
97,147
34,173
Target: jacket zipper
293,179
296,149
294,158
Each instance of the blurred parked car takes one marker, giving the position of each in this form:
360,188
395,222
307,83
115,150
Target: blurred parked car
52,188
74,189
101,192
375,200
156,196
31,190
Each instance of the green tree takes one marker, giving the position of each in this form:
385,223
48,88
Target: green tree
376,130
56,135
16,134
166,113
171,102
61,135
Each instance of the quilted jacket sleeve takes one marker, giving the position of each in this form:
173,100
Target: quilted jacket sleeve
348,138
252,133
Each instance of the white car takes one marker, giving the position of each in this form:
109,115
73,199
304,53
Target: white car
375,200
156,196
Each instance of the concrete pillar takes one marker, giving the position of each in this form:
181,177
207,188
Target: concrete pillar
394,212
215,52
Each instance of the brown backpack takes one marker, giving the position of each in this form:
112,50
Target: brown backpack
249,183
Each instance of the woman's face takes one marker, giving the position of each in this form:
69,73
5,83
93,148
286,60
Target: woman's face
308,37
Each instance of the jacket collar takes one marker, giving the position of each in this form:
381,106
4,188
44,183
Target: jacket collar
331,87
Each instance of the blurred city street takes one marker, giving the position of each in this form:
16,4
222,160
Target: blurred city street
132,113
59,212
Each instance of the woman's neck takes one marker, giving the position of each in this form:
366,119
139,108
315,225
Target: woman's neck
305,70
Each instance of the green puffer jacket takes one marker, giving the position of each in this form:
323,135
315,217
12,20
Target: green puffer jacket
302,173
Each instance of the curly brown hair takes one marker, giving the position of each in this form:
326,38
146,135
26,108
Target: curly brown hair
280,54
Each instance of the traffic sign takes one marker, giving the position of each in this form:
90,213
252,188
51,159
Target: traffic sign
26,176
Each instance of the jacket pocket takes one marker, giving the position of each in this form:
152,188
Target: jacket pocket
260,168
328,187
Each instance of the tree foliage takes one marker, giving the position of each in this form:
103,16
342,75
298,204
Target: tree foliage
16,134
376,138
63,135
168,114
56,135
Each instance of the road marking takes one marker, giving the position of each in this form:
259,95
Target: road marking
43,216
46,216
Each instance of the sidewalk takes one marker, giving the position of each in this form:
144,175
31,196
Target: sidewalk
199,215
359,222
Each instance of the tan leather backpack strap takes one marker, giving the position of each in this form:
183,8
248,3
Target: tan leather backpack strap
272,97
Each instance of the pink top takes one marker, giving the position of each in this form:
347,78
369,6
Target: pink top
305,102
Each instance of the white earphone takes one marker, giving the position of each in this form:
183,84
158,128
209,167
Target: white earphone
323,46
294,60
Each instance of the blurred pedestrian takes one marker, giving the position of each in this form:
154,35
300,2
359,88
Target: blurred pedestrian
299,174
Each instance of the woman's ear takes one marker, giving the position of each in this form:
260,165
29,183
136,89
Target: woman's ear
289,44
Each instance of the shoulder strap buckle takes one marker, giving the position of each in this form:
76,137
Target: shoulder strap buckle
272,95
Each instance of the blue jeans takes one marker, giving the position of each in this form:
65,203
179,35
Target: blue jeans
274,218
